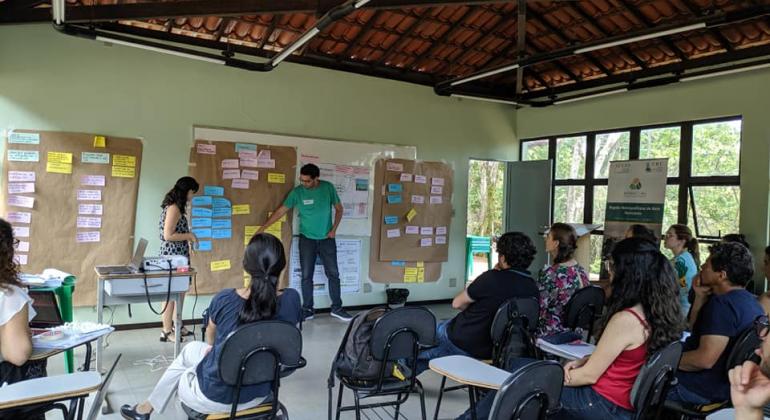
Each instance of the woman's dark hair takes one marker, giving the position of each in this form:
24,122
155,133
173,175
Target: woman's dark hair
683,233
734,259
567,238
178,194
642,231
641,274
264,260
737,238
9,270
767,251
310,170
518,250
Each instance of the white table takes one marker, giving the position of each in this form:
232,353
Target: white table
468,371
569,351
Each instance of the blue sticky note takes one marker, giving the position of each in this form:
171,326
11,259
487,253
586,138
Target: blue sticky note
394,188
201,200
202,232
240,147
200,222
222,212
391,220
398,263
221,233
394,199
201,212
222,223
221,202
213,190
203,246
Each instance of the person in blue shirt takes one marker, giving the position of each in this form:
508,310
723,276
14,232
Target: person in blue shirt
681,242
194,374
722,310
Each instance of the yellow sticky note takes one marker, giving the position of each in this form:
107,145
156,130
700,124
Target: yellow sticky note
410,278
241,209
410,215
123,171
420,275
60,157
275,229
274,178
282,219
123,160
410,271
220,265
58,167
246,279
100,141
420,264
250,231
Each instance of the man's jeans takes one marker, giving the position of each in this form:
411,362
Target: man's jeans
309,249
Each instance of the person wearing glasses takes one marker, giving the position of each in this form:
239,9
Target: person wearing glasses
750,382
722,310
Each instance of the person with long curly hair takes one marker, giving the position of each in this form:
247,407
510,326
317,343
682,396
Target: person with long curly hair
642,317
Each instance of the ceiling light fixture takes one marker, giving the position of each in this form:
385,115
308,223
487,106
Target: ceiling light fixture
595,95
633,39
483,99
160,50
686,78
485,74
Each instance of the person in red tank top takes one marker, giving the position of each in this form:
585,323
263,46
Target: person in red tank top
643,316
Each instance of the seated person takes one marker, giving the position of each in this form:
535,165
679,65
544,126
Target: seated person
468,333
738,238
194,374
559,281
750,383
641,231
722,310
643,316
683,244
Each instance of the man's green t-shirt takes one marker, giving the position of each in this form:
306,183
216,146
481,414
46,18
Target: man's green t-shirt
315,208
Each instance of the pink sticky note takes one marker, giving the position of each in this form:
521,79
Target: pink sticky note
394,233
21,187
436,190
265,154
426,230
436,199
21,231
249,162
426,242
420,179
441,230
19,217
437,181
231,174
265,163
93,236
230,164
396,167
206,149
418,199
247,154
406,178
440,240
412,230
242,184
92,209
92,180
21,201
21,176
249,174
22,246
89,195
89,222
20,259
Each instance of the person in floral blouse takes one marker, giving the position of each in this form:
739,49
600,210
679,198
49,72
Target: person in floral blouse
558,281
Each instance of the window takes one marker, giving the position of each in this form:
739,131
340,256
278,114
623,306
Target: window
703,173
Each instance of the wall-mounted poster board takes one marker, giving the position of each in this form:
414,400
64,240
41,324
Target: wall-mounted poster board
71,198
241,183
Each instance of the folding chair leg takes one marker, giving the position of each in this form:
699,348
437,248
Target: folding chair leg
422,401
398,406
440,397
339,401
358,405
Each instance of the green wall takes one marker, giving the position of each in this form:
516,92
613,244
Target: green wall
745,94
49,81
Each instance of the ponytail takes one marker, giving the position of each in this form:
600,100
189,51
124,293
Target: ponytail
264,260
694,249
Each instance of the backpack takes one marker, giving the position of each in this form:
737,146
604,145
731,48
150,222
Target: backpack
355,360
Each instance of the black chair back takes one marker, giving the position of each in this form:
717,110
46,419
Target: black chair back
530,392
743,348
400,331
583,308
513,329
654,380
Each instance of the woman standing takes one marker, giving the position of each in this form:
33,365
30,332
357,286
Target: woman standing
175,238
681,242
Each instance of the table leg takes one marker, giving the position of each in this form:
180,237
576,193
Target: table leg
177,325
99,319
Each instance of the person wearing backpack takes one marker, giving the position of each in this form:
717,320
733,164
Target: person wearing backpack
468,333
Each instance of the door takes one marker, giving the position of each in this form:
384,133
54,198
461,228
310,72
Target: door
528,203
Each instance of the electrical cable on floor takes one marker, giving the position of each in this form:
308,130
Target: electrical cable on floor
159,362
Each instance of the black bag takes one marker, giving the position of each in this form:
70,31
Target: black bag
355,359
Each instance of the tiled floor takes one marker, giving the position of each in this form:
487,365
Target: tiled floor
304,393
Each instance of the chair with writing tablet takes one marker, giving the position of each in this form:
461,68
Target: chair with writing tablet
654,380
583,308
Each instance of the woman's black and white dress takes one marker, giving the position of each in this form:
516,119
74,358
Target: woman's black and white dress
174,247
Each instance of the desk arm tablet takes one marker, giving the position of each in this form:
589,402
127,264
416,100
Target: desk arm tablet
48,389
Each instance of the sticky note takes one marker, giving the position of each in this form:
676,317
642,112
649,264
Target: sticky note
21,231
398,263
58,168
222,212
91,157
436,199
60,157
394,233
220,265
89,195
231,174
93,236
89,222
19,217
197,222
421,275
394,198
229,163
201,232
92,180
250,174
395,188
123,171
24,138
247,154
405,178
240,147
424,242
241,184
410,214
418,199
249,231
395,167
221,233
124,160
203,246
282,219
213,190
420,179
241,209
265,163
21,187
275,229
265,154
221,224
89,209
201,212
426,230
440,240
201,200
21,201
441,230
275,178
248,162
22,246
420,264
410,271
100,141
23,156
436,190
412,230
410,278
437,181
391,220
21,176
21,259
206,149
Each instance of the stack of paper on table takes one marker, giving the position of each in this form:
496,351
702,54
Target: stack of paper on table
571,351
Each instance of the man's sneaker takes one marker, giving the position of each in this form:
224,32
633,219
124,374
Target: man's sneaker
342,315
307,314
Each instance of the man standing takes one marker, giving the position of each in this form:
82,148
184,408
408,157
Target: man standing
314,200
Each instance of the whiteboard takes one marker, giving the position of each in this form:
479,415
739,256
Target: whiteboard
328,151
